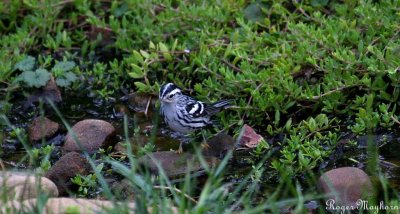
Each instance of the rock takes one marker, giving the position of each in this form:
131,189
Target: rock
62,205
52,92
120,111
91,135
350,184
141,102
78,205
70,205
248,137
219,145
175,165
42,128
136,143
21,186
123,190
66,168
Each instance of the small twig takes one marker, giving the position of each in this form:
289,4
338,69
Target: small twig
331,92
231,66
147,106
62,3
395,119
177,190
9,88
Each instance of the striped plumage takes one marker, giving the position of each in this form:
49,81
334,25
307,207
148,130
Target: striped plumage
184,114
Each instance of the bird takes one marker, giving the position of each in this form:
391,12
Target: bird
184,114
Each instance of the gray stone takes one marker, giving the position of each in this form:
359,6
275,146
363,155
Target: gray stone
22,185
91,136
346,185
71,205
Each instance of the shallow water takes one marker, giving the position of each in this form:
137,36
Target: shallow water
84,106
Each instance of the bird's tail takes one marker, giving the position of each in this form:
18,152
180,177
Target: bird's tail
218,106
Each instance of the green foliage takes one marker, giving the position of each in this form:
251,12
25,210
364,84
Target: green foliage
64,76
146,149
332,62
306,146
62,71
87,183
36,78
26,64
17,132
42,157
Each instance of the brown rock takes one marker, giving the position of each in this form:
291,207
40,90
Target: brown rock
141,102
121,110
42,128
219,145
21,186
91,135
344,186
66,168
173,164
51,91
248,137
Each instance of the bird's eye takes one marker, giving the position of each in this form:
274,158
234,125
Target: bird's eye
171,96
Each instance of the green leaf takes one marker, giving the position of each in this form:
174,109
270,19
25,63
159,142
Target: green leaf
26,64
165,51
141,86
64,66
66,79
253,11
137,72
151,45
319,3
135,75
36,78
145,54
138,57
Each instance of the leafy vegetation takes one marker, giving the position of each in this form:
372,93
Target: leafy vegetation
39,77
303,73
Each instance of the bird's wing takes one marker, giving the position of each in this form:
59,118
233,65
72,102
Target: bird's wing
195,108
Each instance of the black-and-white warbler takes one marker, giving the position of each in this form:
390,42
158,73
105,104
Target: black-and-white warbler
183,113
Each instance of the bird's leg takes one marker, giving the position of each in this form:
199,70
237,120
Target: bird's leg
204,144
183,139
180,150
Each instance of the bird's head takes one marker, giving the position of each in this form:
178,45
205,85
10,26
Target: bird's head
169,93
